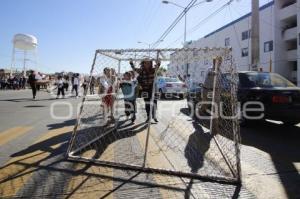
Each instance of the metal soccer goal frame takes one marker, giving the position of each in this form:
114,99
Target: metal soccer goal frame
161,55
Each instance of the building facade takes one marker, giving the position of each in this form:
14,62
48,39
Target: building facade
279,43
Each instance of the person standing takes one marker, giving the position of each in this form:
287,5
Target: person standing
92,85
146,80
24,82
38,77
1,83
76,82
136,86
60,87
108,98
66,83
72,82
85,86
32,82
20,80
15,83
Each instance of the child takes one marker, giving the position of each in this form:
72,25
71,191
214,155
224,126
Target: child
106,88
128,89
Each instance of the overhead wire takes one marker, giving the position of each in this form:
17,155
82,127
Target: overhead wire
145,18
197,26
203,21
182,35
153,15
175,22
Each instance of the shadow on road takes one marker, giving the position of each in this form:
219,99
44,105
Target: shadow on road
31,167
197,145
62,124
34,106
282,144
100,146
44,171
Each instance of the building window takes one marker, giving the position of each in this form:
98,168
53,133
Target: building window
227,41
246,35
268,46
245,52
295,66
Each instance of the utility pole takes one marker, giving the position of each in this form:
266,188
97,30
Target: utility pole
255,36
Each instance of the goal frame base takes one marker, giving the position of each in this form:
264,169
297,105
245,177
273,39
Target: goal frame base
150,170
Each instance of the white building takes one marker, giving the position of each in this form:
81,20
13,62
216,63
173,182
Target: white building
279,42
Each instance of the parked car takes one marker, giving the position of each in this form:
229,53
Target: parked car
280,97
171,87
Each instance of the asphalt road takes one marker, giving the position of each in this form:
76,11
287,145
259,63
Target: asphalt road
33,144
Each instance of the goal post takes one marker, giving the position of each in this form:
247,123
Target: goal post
179,145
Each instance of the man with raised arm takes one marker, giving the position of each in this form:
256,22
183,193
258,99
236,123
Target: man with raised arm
146,80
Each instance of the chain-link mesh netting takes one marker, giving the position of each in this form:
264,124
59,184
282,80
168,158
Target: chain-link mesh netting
181,143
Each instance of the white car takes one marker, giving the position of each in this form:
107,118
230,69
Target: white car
169,87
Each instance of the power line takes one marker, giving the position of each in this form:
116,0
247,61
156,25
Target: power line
153,15
145,18
175,22
197,26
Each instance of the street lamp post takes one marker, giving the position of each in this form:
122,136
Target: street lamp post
185,20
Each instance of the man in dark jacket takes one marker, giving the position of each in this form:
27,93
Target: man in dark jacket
32,83
146,80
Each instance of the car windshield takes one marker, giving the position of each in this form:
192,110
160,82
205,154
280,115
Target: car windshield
265,80
172,80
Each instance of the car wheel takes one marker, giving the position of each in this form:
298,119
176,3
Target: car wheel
290,123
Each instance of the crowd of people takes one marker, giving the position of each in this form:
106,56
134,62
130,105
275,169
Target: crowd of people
63,83
13,82
19,81
59,84
138,82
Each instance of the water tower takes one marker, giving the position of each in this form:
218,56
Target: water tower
24,50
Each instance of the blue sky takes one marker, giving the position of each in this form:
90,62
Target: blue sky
69,31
